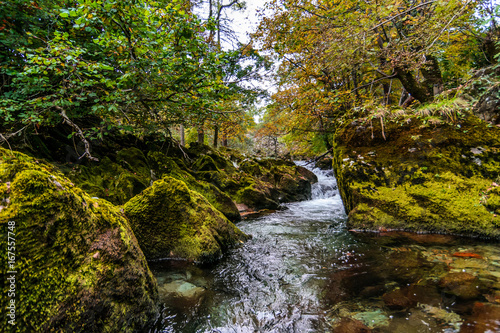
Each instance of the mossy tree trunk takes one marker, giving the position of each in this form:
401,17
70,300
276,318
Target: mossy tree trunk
423,91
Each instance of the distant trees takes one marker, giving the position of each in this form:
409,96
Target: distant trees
337,56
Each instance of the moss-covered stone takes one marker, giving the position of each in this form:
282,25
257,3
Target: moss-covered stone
171,221
164,165
109,180
224,177
256,198
439,178
79,266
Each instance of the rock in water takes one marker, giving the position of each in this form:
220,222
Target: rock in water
79,266
171,221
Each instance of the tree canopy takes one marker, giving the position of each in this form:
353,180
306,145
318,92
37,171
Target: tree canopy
137,64
146,66
339,56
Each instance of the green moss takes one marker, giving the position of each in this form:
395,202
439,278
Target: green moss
164,166
205,163
171,221
109,180
256,198
423,179
79,265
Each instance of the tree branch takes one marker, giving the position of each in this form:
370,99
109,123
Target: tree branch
79,133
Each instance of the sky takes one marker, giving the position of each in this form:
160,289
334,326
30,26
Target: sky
243,23
246,22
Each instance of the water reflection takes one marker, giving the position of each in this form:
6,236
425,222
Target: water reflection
304,272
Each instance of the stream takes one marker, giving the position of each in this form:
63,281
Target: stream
303,271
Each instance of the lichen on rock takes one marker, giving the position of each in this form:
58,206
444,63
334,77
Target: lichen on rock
80,268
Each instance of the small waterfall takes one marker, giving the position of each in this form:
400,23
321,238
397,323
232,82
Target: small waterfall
326,187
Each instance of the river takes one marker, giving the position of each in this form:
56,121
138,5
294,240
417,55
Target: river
303,271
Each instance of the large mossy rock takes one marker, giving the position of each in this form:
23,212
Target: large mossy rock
421,177
171,221
79,266
167,166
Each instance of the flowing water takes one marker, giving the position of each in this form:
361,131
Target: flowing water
303,271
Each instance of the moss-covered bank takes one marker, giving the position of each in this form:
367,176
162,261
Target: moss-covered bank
421,177
79,266
171,221
224,177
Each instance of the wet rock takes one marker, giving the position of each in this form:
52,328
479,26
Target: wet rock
309,175
80,267
324,163
463,285
417,321
373,319
405,266
397,300
372,291
485,318
171,221
351,326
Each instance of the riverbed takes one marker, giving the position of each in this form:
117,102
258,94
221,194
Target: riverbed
304,271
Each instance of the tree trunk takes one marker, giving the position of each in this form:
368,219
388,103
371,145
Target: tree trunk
183,140
432,75
417,90
387,93
275,148
216,135
422,91
201,135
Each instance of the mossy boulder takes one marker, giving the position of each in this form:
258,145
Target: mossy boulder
171,221
79,266
421,177
324,163
109,180
167,166
206,158
256,197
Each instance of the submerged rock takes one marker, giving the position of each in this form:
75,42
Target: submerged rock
421,178
397,300
484,318
180,288
171,221
351,326
79,266
463,285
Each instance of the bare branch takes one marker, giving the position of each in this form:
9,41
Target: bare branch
79,133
